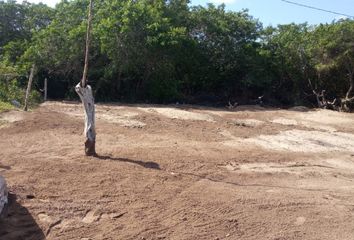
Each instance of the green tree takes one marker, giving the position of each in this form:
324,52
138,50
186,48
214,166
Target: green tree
286,49
224,40
333,58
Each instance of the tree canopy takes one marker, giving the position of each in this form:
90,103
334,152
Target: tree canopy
167,50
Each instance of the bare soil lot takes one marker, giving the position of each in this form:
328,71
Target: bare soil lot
179,173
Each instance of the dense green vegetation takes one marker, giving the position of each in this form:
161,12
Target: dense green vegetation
166,50
4,106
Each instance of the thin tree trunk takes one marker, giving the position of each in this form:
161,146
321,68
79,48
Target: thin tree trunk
89,108
45,89
351,85
29,86
87,50
347,100
3,197
86,96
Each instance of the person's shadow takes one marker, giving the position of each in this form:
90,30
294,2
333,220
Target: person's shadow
151,165
19,223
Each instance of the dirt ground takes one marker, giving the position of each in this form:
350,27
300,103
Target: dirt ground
179,172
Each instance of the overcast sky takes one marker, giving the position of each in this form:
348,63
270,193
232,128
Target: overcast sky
273,12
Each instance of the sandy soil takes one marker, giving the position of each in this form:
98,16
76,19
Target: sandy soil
179,173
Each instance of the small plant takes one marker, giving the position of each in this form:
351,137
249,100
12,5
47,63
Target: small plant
5,106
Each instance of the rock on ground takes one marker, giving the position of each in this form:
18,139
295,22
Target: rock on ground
3,195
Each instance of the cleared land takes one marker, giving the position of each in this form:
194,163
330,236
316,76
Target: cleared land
179,173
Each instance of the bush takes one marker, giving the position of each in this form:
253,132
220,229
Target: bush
5,106
10,91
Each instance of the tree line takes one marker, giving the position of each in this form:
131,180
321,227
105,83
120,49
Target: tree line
165,51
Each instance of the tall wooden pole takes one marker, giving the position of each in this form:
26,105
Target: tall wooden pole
88,40
85,92
29,86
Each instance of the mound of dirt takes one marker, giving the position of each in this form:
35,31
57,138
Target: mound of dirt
12,116
180,114
299,141
285,121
